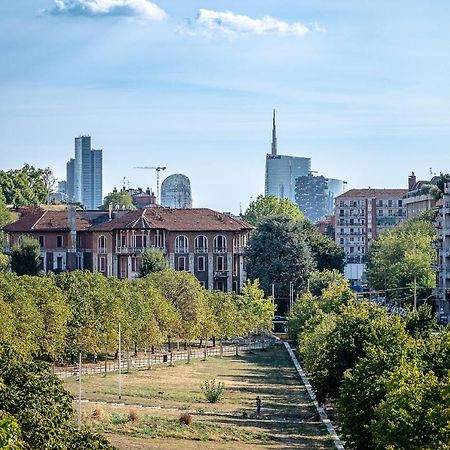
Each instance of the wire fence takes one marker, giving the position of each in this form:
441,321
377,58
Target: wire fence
169,357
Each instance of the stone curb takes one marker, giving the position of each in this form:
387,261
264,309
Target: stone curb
323,415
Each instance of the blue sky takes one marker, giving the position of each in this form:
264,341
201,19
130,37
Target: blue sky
361,87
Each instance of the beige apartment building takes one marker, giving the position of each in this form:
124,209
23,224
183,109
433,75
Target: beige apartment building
361,215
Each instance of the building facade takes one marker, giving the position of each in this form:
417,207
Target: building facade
442,246
206,243
176,192
418,199
362,215
84,174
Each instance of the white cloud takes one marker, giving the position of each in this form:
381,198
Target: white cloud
137,8
209,22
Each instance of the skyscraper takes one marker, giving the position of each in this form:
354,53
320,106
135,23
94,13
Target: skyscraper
283,170
84,174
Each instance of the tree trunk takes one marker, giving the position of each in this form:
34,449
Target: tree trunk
135,349
205,352
170,345
185,345
149,360
188,354
106,360
214,341
221,348
153,349
201,342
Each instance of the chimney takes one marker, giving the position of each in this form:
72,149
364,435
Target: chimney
71,260
411,181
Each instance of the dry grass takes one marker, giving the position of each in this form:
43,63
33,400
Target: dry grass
288,418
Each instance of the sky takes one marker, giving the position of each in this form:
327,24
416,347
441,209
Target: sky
361,87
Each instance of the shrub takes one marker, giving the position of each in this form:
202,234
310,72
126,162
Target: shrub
98,414
185,419
133,416
213,391
119,418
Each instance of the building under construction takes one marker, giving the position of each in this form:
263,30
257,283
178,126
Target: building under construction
176,192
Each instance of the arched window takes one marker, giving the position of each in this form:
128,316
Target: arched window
181,244
201,244
101,245
220,244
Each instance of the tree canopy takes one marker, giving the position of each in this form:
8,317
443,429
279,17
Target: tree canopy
401,255
279,254
25,258
118,199
266,206
153,260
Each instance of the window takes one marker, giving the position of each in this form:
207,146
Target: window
123,240
59,262
101,244
201,244
220,263
101,264
400,203
235,286
181,244
201,263
134,266
159,239
341,240
220,244
41,241
181,263
352,249
59,241
79,241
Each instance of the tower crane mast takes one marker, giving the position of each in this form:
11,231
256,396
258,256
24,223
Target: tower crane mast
157,169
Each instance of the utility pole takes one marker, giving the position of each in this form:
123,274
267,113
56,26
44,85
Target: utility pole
79,390
291,296
273,299
120,360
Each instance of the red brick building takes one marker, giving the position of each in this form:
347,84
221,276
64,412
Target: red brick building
206,243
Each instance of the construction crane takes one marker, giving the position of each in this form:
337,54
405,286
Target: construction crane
158,169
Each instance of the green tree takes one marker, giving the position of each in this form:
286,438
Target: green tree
4,262
421,323
278,254
320,280
269,206
184,292
26,257
118,199
152,261
10,433
327,254
415,412
54,311
5,215
401,256
38,402
357,325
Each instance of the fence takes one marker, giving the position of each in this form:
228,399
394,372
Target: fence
152,360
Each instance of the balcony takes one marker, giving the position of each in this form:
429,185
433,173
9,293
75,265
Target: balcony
221,273
239,250
134,250
220,249
201,250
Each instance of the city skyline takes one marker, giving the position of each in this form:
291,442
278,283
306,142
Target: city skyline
359,88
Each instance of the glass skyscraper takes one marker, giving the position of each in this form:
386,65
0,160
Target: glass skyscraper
283,170
84,174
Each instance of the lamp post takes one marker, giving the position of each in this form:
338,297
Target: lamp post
79,390
120,360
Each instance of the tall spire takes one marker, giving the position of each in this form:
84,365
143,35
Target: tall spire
274,135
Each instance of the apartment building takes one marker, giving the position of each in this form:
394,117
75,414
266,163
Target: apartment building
207,243
361,215
418,199
442,246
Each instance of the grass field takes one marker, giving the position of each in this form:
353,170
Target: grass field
155,399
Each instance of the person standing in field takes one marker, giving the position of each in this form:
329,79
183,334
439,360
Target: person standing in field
258,406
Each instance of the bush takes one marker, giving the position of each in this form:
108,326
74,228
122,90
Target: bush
133,416
98,414
119,418
185,419
213,391
87,440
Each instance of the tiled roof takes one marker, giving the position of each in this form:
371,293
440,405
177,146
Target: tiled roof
191,219
200,219
34,219
374,193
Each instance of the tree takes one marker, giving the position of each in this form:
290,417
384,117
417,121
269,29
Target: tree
327,254
401,257
269,206
5,215
421,323
26,257
118,199
152,261
357,325
415,412
26,186
184,292
4,262
320,280
278,254
334,294
39,403
10,433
